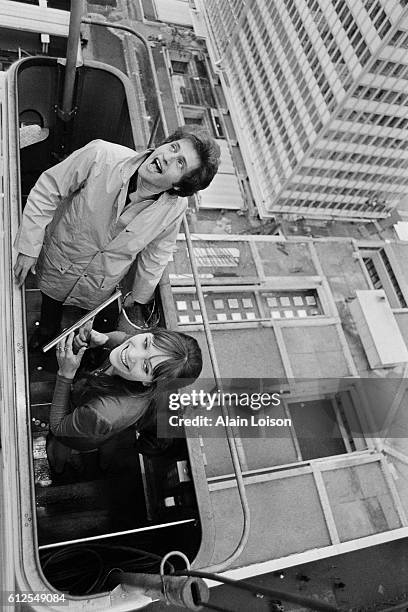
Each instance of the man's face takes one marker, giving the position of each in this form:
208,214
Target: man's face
167,165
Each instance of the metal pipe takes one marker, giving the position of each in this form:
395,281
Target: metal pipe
180,591
234,451
90,315
259,589
77,9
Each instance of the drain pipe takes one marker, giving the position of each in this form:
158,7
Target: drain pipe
77,9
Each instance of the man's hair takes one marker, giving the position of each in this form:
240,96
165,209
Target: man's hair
209,153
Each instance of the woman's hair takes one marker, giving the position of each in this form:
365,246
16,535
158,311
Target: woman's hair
209,153
182,368
185,359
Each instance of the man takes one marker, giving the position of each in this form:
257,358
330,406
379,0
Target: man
89,217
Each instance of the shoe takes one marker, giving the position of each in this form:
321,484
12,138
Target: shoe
134,316
141,316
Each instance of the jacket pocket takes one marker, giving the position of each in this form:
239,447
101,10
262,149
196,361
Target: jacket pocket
56,260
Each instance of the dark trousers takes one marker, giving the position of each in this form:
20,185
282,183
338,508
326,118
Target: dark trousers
51,316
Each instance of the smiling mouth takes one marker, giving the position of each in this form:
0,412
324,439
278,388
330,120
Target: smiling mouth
123,357
156,163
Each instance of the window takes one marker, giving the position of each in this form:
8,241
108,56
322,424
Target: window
326,426
292,304
317,429
179,67
222,307
210,257
194,120
382,276
217,124
243,306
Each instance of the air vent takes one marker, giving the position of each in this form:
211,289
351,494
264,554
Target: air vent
378,329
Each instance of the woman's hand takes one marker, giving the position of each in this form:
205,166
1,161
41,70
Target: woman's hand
97,339
68,361
88,337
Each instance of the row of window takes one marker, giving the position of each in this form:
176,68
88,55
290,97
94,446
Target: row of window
356,176
340,191
338,205
264,121
366,139
359,158
308,48
388,96
222,21
383,277
400,39
373,118
388,68
281,78
247,99
260,120
267,89
227,307
242,306
351,28
274,20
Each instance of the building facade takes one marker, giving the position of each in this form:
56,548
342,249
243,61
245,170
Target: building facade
192,92
324,322
317,91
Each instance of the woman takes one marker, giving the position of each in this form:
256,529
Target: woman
121,392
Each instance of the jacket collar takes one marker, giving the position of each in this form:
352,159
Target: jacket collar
132,164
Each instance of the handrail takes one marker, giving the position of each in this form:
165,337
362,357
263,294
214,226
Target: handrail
230,434
77,9
208,334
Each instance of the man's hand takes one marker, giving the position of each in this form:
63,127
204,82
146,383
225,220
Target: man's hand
24,264
88,337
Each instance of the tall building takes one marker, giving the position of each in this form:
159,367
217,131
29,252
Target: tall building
317,89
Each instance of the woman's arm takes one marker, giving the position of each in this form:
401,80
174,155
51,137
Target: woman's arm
83,422
60,402
63,422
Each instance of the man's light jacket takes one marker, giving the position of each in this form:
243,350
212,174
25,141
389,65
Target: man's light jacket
76,222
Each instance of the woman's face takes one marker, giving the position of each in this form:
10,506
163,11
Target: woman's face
136,358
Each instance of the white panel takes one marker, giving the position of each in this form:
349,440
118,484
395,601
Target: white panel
223,192
401,227
31,18
199,24
378,329
174,11
226,164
